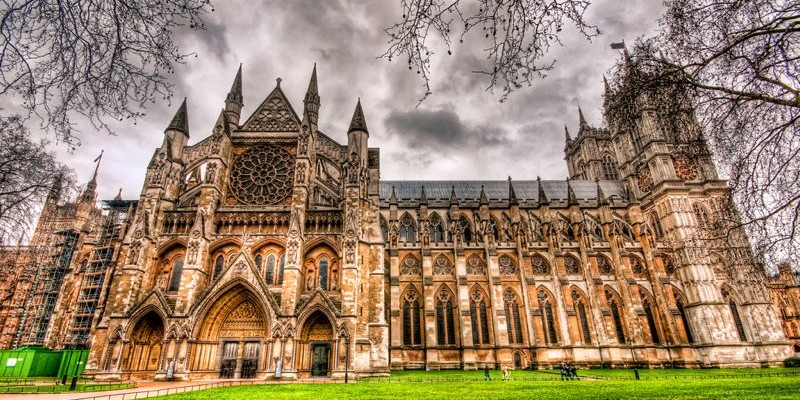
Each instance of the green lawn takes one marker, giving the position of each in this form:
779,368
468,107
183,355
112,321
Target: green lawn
655,384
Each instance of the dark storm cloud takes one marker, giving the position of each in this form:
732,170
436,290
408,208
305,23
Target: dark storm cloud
460,132
441,130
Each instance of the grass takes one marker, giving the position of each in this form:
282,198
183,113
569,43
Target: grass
655,384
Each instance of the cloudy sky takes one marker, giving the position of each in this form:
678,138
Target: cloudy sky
459,132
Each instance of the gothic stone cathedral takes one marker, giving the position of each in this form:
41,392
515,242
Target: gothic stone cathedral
269,249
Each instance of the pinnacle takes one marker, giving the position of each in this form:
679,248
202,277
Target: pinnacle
358,123
235,94
312,93
180,122
568,138
581,119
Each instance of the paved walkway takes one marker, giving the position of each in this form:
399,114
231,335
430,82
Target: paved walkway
146,389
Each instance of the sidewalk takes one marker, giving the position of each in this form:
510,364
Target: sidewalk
114,394
146,389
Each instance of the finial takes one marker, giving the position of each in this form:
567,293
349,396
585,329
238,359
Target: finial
279,81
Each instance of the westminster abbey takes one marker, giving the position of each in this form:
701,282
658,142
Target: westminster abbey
269,250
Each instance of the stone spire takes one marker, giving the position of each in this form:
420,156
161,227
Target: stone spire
571,198
234,101
311,102
180,122
512,195
453,197
119,195
483,199
90,193
423,198
393,197
54,196
606,86
581,120
601,196
358,123
542,196
567,137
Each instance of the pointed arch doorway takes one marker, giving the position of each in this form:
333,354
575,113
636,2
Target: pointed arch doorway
317,337
233,336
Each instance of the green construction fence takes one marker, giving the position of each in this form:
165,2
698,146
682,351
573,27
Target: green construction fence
29,362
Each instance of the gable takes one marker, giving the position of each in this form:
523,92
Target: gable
275,114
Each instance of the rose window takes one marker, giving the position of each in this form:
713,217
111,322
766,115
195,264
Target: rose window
262,175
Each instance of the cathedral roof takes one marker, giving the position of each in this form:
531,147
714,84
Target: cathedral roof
527,192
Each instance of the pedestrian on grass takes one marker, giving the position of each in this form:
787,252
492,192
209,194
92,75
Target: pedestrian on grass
486,376
505,372
573,371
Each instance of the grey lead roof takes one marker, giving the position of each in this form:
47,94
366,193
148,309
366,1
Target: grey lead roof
468,192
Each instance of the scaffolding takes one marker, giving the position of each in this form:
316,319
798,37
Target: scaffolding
53,263
97,272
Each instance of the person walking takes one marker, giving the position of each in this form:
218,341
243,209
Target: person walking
505,372
486,376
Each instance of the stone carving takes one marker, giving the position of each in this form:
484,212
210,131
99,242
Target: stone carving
262,175
275,116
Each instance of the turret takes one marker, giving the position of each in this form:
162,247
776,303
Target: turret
234,101
358,135
177,133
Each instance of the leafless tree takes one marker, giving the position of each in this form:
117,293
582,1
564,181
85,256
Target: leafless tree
27,174
737,63
518,34
100,59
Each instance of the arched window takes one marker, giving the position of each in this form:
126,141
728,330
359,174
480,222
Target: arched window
507,265
583,319
604,266
540,265
322,272
655,222
435,227
466,232
219,264
384,229
445,319
479,318
548,318
684,319
442,265
572,266
610,168
175,279
581,171
412,322
513,320
84,265
651,320
407,230
737,319
270,270
280,270
259,261
618,326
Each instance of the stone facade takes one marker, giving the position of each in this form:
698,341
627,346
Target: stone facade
267,249
785,291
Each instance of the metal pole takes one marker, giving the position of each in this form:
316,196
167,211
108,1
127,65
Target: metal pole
346,359
633,356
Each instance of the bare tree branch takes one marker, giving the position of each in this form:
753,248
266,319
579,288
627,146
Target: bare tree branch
518,35
98,59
